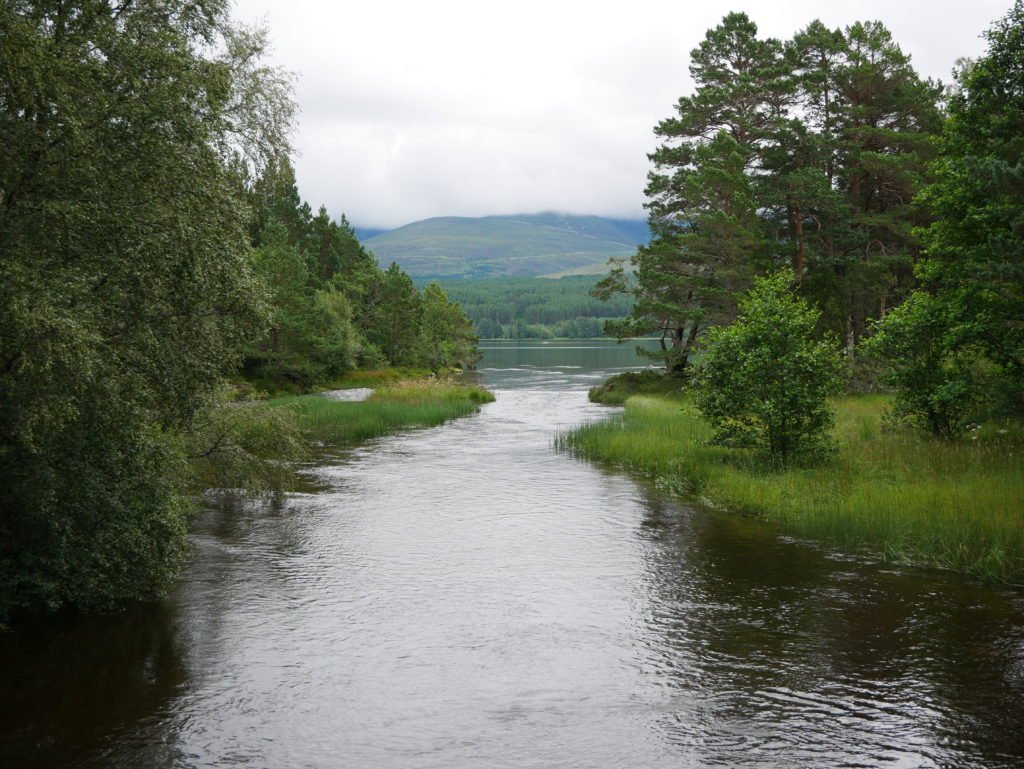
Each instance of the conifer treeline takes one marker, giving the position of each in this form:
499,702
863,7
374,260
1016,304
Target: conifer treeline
333,309
535,308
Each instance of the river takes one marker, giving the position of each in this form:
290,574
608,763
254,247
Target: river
467,596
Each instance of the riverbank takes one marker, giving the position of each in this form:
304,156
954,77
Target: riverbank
255,446
895,493
266,389
395,406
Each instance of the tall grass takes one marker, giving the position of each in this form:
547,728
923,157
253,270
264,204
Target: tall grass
394,407
902,494
379,377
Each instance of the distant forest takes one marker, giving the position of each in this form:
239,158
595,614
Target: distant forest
536,308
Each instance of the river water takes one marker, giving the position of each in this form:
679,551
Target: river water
468,597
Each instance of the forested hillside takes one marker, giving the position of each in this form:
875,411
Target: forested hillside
515,308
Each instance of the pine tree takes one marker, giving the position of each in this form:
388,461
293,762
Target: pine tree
705,237
833,132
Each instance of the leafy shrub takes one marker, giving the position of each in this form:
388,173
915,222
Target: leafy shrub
764,381
935,378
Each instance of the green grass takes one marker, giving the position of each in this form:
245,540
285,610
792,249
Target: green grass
900,494
265,388
621,387
393,407
378,377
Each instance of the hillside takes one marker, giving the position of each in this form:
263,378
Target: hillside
506,246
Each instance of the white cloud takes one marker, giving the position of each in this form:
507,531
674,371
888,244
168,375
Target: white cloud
417,109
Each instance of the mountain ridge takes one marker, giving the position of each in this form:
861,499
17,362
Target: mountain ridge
514,245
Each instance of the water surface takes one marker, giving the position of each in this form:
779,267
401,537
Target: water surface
467,597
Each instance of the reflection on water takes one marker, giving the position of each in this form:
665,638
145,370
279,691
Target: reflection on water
71,687
780,654
467,597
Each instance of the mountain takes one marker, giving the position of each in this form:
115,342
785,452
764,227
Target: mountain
365,233
506,246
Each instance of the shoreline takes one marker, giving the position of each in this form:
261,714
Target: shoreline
902,495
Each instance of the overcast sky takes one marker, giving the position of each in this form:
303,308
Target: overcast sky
446,108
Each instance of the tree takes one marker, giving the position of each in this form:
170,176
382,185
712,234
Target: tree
975,246
688,277
275,198
336,342
446,337
888,124
806,153
393,315
128,291
763,381
960,342
705,234
285,353
936,379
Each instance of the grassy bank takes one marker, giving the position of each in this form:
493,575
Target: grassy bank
392,407
620,388
378,377
263,388
901,494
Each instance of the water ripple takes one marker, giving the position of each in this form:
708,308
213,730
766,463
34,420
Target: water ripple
466,597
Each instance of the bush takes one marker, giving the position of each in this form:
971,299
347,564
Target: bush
764,382
936,379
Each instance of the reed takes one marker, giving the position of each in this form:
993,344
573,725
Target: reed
395,407
378,377
897,493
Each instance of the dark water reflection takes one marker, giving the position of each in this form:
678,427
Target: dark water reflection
466,597
70,687
774,653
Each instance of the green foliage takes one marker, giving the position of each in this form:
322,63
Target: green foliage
335,340
128,290
312,337
764,382
959,342
245,447
333,308
706,238
101,519
936,380
284,271
393,316
844,177
446,337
